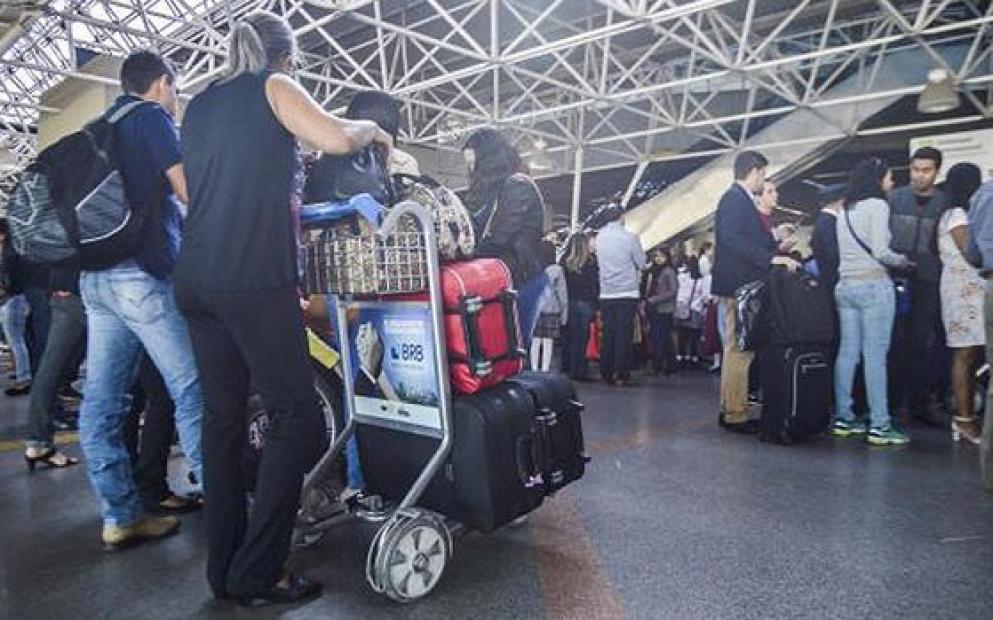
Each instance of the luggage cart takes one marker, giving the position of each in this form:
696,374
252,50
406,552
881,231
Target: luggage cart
412,546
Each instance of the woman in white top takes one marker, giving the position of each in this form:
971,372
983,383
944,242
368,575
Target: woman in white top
866,302
962,294
691,295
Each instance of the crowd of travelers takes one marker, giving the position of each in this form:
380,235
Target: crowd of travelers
172,341
176,338
906,266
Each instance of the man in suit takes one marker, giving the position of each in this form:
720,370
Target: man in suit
745,250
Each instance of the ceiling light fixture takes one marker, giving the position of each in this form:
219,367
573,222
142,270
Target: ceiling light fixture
940,94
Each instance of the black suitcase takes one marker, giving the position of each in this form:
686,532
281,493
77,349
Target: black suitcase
799,309
797,386
559,425
491,476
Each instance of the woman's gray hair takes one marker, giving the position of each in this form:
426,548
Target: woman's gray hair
259,41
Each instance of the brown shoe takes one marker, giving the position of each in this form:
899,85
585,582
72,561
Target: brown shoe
176,504
116,537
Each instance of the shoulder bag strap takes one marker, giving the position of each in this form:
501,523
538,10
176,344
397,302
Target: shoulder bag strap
489,221
858,240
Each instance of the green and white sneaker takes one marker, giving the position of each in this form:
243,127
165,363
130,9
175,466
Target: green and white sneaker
847,428
888,435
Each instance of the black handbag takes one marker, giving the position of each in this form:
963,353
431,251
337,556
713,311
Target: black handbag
336,178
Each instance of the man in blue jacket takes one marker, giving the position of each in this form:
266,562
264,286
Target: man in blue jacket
745,250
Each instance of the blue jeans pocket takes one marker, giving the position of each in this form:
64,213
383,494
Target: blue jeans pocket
139,298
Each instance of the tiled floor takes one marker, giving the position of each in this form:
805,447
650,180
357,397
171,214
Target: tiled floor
675,519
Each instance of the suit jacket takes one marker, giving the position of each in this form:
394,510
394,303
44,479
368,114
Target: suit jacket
743,248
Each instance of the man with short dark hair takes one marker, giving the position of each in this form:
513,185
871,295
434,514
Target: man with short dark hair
914,213
621,260
131,305
745,250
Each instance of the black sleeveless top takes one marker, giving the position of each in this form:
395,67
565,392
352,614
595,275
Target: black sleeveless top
241,169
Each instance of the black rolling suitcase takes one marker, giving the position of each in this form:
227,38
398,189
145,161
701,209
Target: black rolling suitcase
492,474
559,425
797,385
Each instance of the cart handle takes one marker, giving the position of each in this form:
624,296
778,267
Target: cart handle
407,207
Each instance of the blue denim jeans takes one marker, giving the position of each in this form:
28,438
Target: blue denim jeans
867,309
529,307
125,309
14,319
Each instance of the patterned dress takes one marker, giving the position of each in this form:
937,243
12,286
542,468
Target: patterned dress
962,289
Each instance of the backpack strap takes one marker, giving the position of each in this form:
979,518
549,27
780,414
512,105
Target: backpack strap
124,110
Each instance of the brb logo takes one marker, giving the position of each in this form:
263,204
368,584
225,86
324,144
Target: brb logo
409,352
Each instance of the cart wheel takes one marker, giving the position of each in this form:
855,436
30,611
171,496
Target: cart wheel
409,555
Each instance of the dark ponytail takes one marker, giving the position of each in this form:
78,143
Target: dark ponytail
866,181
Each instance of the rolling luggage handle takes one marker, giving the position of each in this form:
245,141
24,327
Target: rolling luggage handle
529,461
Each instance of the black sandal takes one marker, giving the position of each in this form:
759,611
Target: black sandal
18,391
50,459
296,589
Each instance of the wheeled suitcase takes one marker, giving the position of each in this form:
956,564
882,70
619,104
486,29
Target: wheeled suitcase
559,426
481,327
797,384
492,474
799,309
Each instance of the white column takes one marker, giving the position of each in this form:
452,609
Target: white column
577,186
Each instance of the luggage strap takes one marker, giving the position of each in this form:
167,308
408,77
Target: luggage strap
469,308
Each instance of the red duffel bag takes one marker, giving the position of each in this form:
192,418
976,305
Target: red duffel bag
481,327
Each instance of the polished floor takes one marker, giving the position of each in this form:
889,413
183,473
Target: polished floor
674,519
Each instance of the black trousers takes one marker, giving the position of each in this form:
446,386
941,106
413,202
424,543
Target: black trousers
39,323
911,351
663,355
239,339
66,343
149,449
617,351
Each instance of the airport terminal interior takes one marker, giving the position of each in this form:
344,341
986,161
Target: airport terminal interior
589,309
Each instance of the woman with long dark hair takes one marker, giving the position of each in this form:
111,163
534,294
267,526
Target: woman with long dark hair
582,282
962,294
660,306
237,287
866,302
510,217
